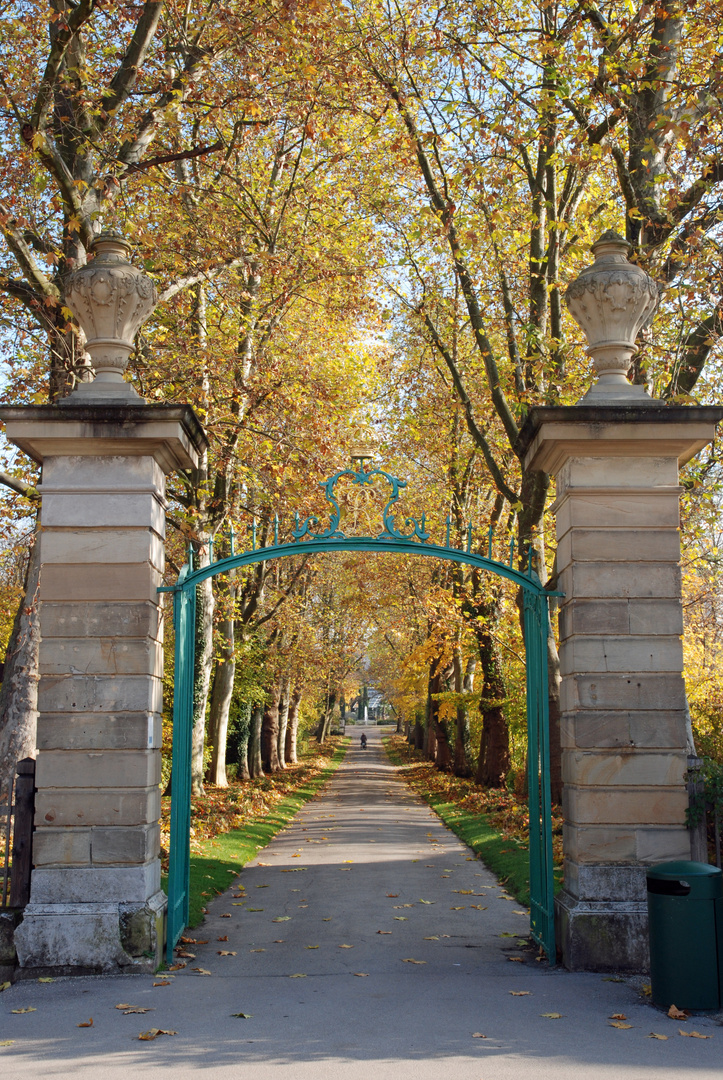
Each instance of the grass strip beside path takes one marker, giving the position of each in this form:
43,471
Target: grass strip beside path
493,823
215,860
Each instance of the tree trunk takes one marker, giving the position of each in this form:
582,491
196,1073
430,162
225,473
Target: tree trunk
256,768
325,723
19,692
221,696
283,720
270,733
462,737
494,753
292,728
243,734
201,674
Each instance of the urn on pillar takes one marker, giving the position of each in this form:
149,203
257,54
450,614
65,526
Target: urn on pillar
611,301
111,299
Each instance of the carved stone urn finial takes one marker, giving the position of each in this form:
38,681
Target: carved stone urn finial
611,301
111,299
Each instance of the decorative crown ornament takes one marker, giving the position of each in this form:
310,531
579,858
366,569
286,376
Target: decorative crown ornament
611,301
111,299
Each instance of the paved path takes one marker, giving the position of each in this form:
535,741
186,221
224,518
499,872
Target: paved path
365,880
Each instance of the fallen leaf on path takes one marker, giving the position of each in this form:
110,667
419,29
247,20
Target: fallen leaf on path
361,974
312,946
401,918
281,918
147,1036
201,971
243,1016
46,979
520,993
7,1042
346,946
654,1035
167,982
224,938
251,908
678,1014
552,1016
409,961
129,1010
262,886
28,1008
384,931
646,988
427,901
186,955
462,909
298,976
87,1023
263,864
478,1035
478,907
226,915
238,896
255,950
694,1034
5,986
620,1024
177,967
505,933
432,938
464,892
225,952
327,920
618,1016
516,959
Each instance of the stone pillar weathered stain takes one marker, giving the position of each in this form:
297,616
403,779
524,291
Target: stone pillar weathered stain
96,902
624,729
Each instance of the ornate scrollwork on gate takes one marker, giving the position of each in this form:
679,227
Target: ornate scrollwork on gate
361,477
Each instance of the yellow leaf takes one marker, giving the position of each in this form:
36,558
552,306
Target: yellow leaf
225,952
618,1016
678,1014
346,946
298,976
654,1035
478,1035
408,961
520,993
7,1042
433,938
5,986
312,946
694,1034
201,971
257,950
146,1036
552,1016
27,1009
361,974
620,1024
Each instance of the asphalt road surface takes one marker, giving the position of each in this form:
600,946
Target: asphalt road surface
369,945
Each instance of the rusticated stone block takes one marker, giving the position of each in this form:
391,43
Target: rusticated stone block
103,806
119,846
97,768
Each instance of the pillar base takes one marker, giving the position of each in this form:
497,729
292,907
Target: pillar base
94,938
602,935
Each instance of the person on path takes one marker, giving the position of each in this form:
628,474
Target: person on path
364,740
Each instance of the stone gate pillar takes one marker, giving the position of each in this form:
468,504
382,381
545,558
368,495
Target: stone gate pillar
623,701
625,730
96,902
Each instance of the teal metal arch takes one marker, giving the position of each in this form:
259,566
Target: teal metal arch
413,541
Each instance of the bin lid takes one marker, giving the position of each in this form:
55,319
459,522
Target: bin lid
705,881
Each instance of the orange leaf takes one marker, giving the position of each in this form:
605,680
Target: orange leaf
88,1023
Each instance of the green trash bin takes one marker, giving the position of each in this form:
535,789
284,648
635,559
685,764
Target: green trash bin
685,919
